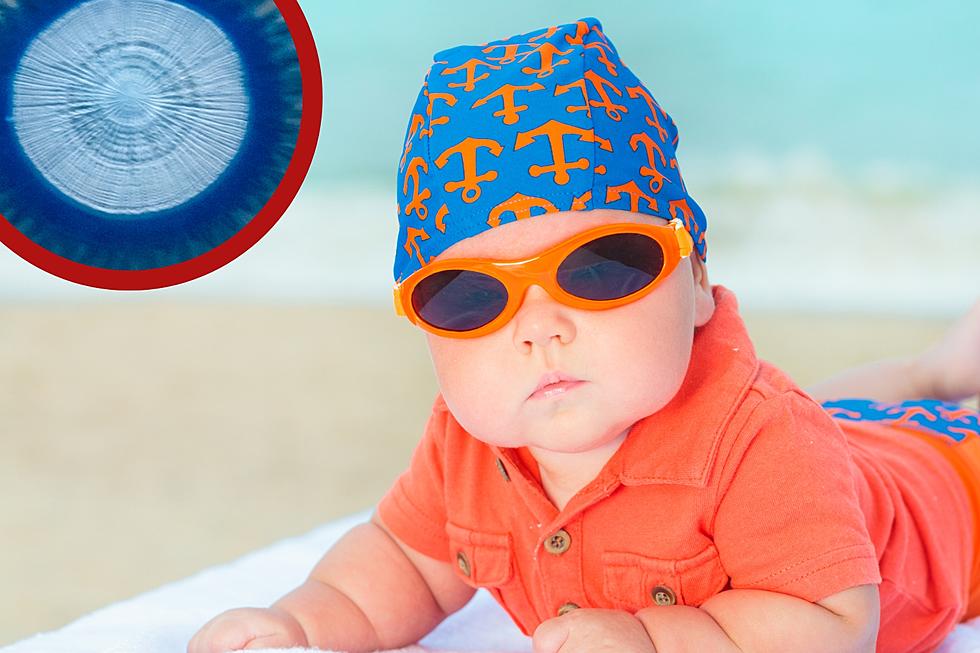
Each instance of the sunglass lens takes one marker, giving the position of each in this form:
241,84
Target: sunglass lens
611,267
459,300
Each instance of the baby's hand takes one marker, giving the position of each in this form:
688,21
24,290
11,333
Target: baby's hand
248,628
591,630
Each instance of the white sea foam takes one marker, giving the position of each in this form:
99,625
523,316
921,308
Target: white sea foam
130,125
784,233
793,233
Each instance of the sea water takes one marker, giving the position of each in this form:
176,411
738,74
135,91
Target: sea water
833,147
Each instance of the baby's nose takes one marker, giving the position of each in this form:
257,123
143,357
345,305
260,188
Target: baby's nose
541,319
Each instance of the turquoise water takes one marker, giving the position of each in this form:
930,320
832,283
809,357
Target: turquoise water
859,82
833,148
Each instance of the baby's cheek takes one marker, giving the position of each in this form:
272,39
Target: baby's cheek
647,376
477,391
486,419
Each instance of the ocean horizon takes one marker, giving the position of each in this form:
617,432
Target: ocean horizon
833,149
788,234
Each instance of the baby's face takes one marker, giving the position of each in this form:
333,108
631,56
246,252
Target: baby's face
631,359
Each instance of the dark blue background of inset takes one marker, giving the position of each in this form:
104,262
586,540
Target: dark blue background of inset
85,235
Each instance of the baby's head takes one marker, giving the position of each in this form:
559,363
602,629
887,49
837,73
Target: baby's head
544,143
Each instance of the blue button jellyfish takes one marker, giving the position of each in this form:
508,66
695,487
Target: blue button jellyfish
140,134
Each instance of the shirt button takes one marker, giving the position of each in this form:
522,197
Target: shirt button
502,470
565,609
663,595
463,563
559,542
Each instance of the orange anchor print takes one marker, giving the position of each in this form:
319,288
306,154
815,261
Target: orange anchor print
844,412
905,421
613,193
411,242
548,63
600,83
417,203
506,93
579,203
511,52
680,178
906,418
561,89
440,218
965,432
521,206
603,59
417,120
556,131
448,98
546,35
581,29
598,32
654,121
687,215
656,177
953,415
470,67
466,149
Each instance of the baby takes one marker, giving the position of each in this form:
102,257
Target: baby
607,456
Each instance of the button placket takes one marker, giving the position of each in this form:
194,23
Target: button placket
502,470
561,569
663,595
463,563
558,543
530,494
566,608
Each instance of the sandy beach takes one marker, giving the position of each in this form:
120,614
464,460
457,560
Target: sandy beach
144,442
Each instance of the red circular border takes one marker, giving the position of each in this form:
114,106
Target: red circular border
251,233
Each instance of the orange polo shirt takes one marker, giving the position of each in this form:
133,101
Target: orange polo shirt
740,481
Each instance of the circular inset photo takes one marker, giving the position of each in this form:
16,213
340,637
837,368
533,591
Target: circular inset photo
146,143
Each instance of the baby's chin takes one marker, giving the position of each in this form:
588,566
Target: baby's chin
577,422
572,436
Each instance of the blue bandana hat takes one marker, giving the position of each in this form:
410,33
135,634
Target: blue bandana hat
542,122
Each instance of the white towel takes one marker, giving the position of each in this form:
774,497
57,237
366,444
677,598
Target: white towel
163,620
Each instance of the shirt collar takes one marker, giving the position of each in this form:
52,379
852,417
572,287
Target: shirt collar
677,444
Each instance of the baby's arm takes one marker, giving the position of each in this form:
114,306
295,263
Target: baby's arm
758,621
369,591
892,380
948,370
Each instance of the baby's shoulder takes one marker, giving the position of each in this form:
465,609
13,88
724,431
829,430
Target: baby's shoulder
778,419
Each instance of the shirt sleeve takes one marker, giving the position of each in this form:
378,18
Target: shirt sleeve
414,508
789,520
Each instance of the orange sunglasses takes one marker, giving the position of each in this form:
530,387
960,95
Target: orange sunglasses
600,268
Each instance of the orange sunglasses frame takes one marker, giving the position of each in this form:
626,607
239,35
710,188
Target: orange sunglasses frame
517,276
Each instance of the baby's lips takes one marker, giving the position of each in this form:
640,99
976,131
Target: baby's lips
553,376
